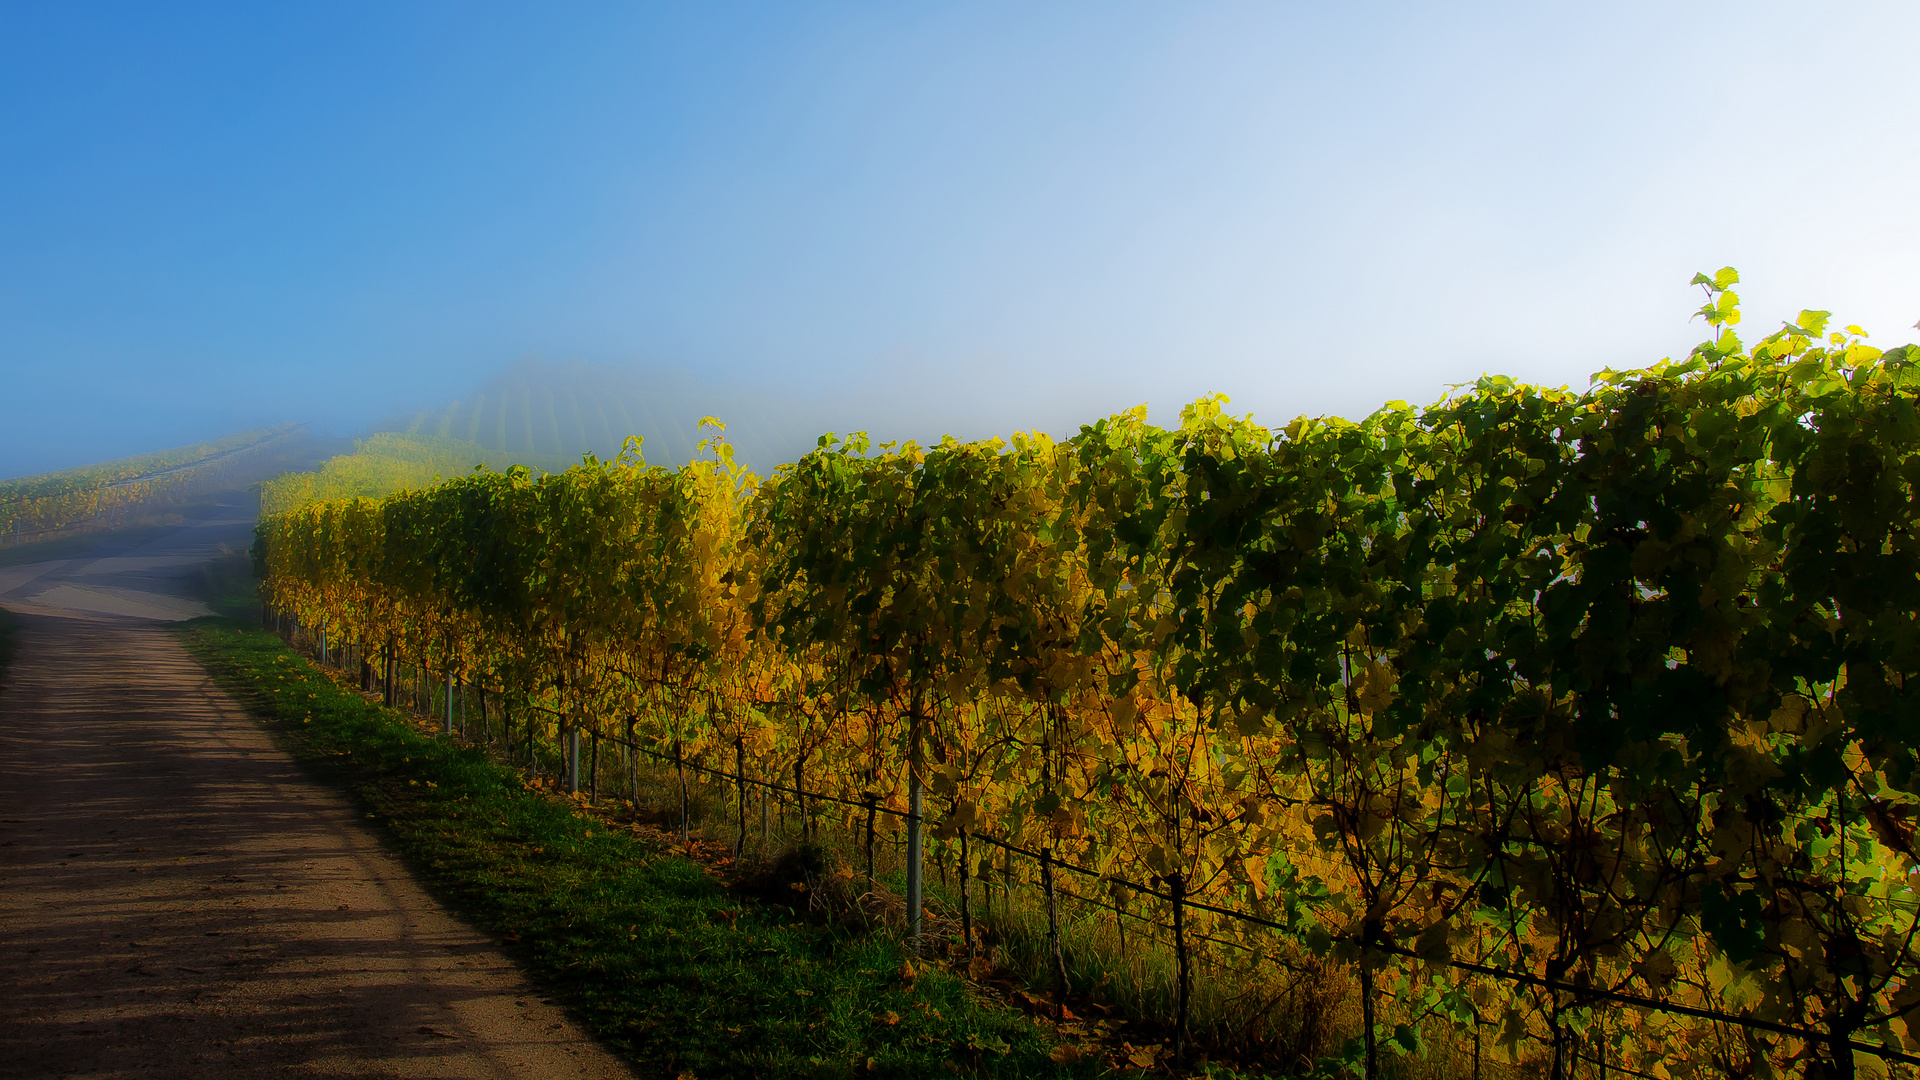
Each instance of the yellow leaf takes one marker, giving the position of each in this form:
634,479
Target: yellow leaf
1376,688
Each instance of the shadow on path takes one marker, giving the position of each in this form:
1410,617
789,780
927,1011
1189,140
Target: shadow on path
178,899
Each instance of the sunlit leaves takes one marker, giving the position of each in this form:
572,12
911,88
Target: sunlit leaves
1611,688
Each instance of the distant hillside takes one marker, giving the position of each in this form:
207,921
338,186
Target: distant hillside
388,462
126,490
560,411
545,416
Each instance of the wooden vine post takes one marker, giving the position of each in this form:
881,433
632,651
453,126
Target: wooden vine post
387,688
1056,961
1366,1001
873,809
1177,889
800,795
913,826
631,750
680,769
571,739
1056,958
966,909
740,793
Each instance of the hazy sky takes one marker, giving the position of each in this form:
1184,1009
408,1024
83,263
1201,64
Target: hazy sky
941,216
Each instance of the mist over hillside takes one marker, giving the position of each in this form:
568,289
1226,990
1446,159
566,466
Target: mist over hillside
536,409
541,411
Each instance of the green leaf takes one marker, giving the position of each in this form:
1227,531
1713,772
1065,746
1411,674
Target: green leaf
1813,322
1407,1038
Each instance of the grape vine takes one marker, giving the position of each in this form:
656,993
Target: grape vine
1523,703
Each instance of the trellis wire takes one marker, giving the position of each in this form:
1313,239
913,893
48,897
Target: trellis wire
1583,994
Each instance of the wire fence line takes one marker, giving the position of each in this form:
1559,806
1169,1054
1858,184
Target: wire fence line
1174,895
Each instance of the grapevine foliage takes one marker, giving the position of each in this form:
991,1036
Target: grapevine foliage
1606,688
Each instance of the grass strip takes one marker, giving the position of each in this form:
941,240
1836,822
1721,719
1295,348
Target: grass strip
654,954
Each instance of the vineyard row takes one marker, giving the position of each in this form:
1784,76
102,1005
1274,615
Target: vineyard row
1515,706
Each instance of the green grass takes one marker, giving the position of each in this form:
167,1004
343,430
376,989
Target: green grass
656,955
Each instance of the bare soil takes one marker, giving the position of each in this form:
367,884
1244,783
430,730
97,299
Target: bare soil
177,899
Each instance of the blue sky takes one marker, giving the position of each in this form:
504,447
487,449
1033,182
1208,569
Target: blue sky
918,218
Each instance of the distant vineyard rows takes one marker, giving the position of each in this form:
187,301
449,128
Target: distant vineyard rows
381,465
58,500
1602,689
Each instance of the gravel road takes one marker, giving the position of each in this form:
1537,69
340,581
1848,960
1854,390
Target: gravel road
177,899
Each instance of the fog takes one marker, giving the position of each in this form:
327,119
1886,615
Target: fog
963,219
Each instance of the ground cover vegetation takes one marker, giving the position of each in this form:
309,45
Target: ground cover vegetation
655,953
1569,727
118,493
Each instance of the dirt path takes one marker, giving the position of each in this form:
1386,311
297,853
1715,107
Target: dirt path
178,900
149,578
